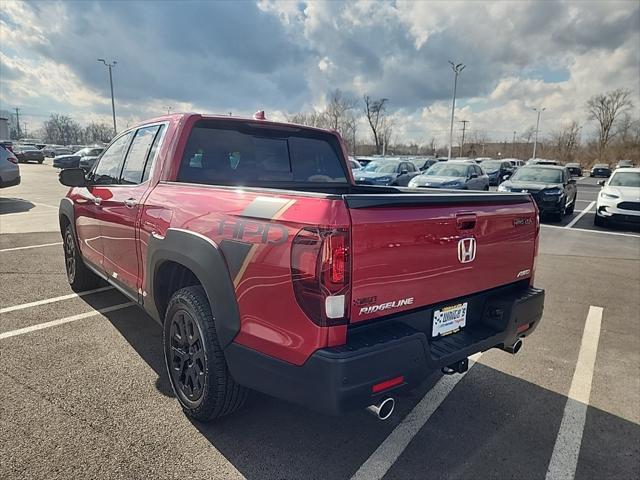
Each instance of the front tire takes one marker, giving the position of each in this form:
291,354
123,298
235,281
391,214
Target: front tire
572,207
195,361
78,275
598,221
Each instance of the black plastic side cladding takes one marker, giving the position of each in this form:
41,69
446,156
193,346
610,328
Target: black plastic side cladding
205,259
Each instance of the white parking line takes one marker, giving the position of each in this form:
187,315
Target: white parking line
54,299
13,249
590,231
580,215
61,321
564,459
380,461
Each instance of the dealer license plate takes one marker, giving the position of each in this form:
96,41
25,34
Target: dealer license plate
449,319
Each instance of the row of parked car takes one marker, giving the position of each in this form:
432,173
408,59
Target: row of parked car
71,156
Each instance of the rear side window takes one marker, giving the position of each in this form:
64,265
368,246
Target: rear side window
234,153
137,156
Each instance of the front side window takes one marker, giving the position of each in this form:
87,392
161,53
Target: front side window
108,170
137,156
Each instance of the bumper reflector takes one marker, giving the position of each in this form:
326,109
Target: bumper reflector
394,382
523,328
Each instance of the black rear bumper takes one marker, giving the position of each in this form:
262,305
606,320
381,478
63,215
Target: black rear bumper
339,379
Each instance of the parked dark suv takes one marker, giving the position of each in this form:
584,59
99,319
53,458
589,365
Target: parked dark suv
551,187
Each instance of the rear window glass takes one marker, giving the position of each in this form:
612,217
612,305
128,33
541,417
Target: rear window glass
233,153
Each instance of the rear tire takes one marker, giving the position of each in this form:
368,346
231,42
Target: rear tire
195,361
78,275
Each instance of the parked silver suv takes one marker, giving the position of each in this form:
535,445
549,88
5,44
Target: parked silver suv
9,169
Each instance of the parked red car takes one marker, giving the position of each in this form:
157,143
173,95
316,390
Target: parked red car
270,269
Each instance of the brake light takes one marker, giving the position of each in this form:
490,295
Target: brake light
320,267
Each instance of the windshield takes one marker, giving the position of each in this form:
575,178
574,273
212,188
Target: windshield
491,165
381,167
601,165
447,170
625,179
538,175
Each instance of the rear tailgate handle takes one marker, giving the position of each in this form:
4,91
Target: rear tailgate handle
466,221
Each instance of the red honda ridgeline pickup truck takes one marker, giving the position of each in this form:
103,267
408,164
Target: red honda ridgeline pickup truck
270,269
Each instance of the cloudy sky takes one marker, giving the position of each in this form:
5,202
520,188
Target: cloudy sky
284,56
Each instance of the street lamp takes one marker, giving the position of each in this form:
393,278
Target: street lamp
535,140
456,70
113,105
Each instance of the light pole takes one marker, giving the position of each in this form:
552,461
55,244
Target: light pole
464,128
168,109
113,104
456,70
535,140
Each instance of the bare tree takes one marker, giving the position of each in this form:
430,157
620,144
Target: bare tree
566,141
385,132
528,134
375,110
605,108
338,107
62,129
98,132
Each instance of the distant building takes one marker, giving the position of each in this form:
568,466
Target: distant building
4,128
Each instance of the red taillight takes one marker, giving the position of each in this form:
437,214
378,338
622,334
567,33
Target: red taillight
523,328
320,274
387,384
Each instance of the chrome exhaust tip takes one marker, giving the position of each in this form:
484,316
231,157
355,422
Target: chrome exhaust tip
383,409
513,349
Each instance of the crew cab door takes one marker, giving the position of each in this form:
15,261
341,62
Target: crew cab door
121,206
89,203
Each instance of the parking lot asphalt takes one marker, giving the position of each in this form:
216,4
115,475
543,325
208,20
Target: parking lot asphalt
84,394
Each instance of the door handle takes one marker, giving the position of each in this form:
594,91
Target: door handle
130,202
97,200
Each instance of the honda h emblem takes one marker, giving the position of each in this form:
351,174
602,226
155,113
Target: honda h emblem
467,250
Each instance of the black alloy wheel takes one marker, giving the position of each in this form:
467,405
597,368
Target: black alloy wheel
186,357
70,255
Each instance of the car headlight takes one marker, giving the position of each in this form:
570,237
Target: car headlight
554,191
503,188
610,196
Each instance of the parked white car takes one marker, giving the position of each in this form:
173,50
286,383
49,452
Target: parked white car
9,168
619,199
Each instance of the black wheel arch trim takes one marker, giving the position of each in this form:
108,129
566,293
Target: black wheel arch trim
65,209
205,259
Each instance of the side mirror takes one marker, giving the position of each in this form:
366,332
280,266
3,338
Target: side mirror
601,183
473,175
572,181
73,177
404,171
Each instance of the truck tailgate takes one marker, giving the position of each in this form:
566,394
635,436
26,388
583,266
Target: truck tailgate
413,250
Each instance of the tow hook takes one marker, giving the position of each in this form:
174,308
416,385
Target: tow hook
457,367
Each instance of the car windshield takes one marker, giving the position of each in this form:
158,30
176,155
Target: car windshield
26,148
491,165
601,165
538,175
447,169
381,167
625,179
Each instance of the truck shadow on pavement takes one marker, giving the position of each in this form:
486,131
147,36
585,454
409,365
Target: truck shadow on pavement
14,205
492,425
